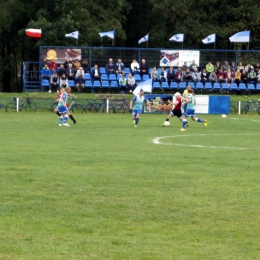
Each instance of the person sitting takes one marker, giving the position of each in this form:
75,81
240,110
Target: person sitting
163,75
79,81
257,67
80,71
237,77
244,76
248,67
193,66
66,63
213,77
110,67
55,82
258,76
218,67
240,67
220,77
196,76
187,75
178,75
76,64
251,76
204,76
135,68
131,83
228,76
209,68
122,84
233,67
70,72
61,70
184,67
144,68
225,66
63,81
170,75
85,66
154,75
53,65
120,67
45,72
95,73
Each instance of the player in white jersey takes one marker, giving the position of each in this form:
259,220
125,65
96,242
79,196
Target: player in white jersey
63,110
136,105
191,111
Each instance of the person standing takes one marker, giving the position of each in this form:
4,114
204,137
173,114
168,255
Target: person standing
191,111
136,105
62,108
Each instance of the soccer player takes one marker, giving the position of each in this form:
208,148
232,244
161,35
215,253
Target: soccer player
56,109
62,108
176,110
191,111
136,105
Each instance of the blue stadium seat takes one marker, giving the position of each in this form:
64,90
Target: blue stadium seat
145,77
173,85
208,86
224,86
127,70
87,76
104,77
112,77
45,83
191,84
71,83
102,70
257,87
199,86
97,84
113,84
182,85
137,77
88,84
156,85
250,86
216,86
105,84
233,86
165,85
119,76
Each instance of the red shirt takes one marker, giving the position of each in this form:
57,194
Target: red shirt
179,100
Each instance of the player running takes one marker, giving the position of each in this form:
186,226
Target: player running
136,105
62,108
191,111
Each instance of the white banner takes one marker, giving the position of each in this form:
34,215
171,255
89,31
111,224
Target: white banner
202,104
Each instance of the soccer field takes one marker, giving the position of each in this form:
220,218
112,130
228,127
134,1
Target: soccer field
102,189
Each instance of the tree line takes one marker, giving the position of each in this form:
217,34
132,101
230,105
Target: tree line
132,20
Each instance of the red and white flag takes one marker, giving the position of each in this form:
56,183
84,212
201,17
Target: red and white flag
34,33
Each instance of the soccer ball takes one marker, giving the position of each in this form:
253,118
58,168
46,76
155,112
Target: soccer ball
224,116
166,123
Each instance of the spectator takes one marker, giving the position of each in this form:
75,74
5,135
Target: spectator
80,71
76,64
184,67
228,76
196,76
213,77
120,67
204,76
70,72
226,66
135,68
248,67
257,67
53,65
154,75
178,75
218,67
131,82
186,76
95,73
110,67
55,82
143,68
240,67
193,66
163,76
244,76
45,72
61,70
220,77
237,77
258,76
85,66
63,81
79,81
66,63
44,62
233,67
122,83
53,71
251,76
170,75
209,68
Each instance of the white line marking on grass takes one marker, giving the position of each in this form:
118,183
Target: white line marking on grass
157,140
234,118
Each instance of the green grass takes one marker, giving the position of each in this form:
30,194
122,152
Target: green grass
102,189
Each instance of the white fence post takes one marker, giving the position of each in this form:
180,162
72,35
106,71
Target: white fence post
17,104
107,105
239,107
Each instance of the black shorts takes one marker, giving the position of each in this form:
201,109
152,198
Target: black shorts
176,112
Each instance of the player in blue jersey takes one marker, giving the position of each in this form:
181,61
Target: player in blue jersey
136,105
191,111
62,107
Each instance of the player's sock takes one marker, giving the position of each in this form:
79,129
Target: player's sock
167,119
65,121
136,120
57,113
184,123
72,118
200,120
60,120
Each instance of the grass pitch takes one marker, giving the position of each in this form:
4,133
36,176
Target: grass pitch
102,189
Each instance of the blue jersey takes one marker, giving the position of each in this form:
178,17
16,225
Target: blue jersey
63,97
191,105
138,102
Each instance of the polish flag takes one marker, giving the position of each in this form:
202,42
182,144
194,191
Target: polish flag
34,33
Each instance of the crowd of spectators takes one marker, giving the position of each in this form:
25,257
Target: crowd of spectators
126,77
